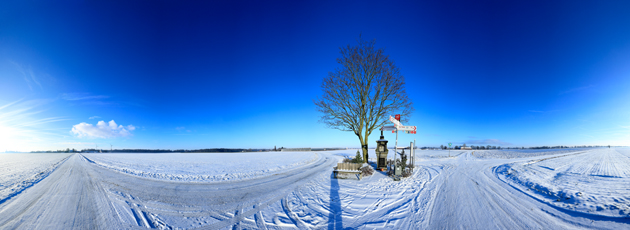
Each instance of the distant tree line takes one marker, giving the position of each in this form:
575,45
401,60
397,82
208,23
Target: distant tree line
227,150
460,147
58,151
489,147
213,150
220,150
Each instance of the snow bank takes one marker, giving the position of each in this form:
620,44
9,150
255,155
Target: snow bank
594,182
202,167
18,171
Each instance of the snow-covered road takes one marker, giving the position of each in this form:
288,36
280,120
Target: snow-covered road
470,197
69,197
81,195
459,192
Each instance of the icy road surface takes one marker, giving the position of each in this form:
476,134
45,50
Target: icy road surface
19,171
458,192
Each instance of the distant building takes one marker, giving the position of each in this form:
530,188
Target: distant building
466,148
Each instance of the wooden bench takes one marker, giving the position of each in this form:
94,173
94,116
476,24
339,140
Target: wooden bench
348,168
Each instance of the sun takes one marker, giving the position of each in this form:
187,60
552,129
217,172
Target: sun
18,130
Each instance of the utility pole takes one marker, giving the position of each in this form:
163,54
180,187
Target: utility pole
413,159
411,153
111,148
396,152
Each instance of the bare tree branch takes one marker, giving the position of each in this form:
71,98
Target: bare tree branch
361,94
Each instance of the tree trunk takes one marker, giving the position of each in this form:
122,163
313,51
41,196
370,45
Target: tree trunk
364,147
365,153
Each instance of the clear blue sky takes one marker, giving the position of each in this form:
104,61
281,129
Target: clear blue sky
242,74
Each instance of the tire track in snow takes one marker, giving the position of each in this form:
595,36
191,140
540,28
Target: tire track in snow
322,163
426,202
25,206
68,198
469,199
80,194
389,210
294,218
583,167
569,213
251,202
260,221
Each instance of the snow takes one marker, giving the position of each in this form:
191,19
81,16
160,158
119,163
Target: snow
347,170
19,171
374,202
493,189
517,153
202,167
594,182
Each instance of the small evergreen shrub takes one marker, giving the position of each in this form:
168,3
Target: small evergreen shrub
400,162
403,161
358,158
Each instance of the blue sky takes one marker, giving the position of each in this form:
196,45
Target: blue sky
244,74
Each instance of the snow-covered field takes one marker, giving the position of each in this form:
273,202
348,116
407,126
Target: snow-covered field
516,153
430,154
202,167
19,171
593,182
494,189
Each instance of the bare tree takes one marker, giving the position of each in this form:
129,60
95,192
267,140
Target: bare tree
360,95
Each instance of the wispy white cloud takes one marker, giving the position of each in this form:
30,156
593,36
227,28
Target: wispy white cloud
28,75
10,104
487,142
94,117
576,89
41,121
102,130
20,131
81,96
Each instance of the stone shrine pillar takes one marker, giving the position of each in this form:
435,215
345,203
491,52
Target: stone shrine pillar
381,153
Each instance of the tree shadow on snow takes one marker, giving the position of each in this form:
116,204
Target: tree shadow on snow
334,218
